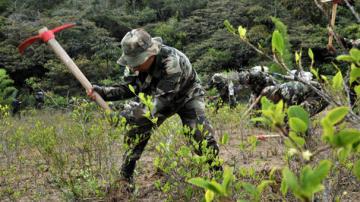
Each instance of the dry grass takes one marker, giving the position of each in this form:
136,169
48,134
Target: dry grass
25,175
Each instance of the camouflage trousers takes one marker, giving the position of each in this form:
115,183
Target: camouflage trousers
191,113
314,105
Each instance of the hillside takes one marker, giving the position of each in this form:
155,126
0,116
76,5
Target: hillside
275,117
195,27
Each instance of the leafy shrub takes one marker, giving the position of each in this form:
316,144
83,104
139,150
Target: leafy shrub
171,33
305,172
7,90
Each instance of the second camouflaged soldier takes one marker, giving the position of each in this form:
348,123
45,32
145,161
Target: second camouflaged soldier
296,93
15,111
257,78
167,75
226,88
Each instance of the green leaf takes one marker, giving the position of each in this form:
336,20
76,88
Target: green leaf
311,55
346,58
343,153
328,130
357,169
229,27
346,137
142,97
209,196
263,185
279,113
355,54
299,140
315,72
297,125
290,179
225,138
326,80
297,57
242,32
321,171
357,91
299,112
336,115
228,177
306,181
200,182
131,88
261,120
266,103
250,188
284,187
273,172
277,42
354,73
337,82
311,180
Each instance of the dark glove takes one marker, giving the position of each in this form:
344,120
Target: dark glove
98,89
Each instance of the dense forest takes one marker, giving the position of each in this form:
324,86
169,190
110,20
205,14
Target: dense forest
296,139
195,27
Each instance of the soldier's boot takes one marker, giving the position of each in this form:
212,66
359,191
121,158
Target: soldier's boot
136,141
127,172
123,187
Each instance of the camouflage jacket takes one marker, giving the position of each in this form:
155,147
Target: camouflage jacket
171,81
226,84
256,80
294,92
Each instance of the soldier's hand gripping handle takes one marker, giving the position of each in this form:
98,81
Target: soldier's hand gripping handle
95,89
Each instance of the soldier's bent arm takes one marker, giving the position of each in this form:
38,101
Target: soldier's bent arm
120,91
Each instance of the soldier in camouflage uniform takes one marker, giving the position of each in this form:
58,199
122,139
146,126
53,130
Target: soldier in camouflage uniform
39,99
257,78
225,88
167,75
351,43
296,93
16,105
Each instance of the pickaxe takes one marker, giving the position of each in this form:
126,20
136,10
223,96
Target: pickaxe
48,36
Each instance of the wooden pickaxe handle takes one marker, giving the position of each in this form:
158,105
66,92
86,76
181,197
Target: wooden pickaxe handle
48,37
65,58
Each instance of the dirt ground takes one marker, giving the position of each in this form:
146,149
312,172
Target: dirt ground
268,153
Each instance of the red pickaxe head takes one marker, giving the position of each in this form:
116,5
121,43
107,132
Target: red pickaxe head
44,36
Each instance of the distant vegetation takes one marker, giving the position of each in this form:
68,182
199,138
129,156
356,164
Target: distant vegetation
278,153
195,27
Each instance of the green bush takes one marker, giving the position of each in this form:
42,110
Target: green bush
7,90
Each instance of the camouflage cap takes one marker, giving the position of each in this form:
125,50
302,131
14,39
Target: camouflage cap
217,78
244,77
138,46
271,92
260,69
